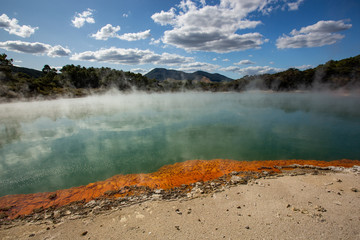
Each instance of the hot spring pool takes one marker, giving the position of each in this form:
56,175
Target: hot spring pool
50,145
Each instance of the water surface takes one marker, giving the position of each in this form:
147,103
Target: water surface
58,144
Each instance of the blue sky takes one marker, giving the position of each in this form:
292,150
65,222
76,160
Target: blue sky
231,37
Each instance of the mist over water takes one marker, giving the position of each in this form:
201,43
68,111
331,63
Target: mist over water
63,143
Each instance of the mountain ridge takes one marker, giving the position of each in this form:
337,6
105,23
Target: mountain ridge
162,74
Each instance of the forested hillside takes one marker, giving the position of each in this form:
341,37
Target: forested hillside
75,81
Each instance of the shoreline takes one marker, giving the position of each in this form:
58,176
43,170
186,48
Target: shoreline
300,202
175,180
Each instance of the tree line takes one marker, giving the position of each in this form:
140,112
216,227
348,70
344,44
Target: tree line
75,81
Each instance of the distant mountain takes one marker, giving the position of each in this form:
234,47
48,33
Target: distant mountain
31,72
162,74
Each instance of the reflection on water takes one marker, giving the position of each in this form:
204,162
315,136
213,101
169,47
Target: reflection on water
50,145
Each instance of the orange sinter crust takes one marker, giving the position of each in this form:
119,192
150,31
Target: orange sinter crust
167,177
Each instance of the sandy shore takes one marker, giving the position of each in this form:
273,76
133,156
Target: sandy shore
322,206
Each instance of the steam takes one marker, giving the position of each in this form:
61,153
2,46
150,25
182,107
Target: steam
47,145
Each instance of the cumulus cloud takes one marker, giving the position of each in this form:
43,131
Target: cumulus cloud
12,26
135,36
139,70
244,62
252,70
35,48
130,56
80,19
58,51
109,31
106,32
319,34
294,5
196,66
154,41
216,25
303,67
165,18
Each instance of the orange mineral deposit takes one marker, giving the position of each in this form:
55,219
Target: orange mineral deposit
167,177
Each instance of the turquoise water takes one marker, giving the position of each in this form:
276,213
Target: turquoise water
59,144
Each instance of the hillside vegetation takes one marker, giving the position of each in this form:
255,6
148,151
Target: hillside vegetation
76,81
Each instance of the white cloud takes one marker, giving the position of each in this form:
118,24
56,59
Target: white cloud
109,31
196,66
165,18
226,60
320,34
81,18
130,56
58,51
196,40
323,27
125,15
216,25
303,67
106,32
253,70
294,5
12,26
135,36
244,62
154,41
214,59
35,48
139,70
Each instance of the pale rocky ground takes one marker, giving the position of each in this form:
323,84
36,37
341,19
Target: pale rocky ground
299,207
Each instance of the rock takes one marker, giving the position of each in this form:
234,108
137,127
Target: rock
247,227
156,196
57,214
295,209
189,211
237,180
304,211
320,209
32,235
178,211
315,172
158,191
354,189
3,215
90,204
198,184
177,228
84,233
355,168
196,190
